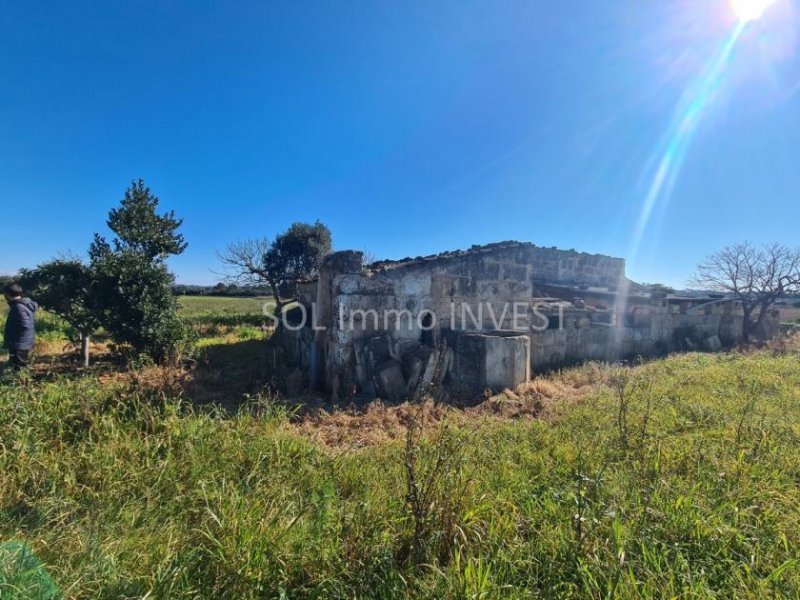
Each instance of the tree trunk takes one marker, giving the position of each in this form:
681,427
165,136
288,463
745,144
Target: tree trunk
746,327
764,309
85,341
276,294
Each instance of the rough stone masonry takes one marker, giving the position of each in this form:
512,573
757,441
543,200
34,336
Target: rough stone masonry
484,319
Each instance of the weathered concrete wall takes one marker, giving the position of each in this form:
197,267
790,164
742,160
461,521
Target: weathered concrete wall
487,361
379,325
641,331
507,361
473,290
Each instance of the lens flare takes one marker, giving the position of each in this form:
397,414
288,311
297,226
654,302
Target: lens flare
667,160
750,10
671,153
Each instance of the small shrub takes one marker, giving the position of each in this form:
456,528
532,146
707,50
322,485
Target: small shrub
435,491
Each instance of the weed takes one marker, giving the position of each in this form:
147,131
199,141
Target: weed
435,487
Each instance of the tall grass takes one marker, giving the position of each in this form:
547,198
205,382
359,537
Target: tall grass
692,492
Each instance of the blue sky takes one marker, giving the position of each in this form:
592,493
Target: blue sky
408,127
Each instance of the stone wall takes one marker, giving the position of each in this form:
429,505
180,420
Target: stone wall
379,328
414,300
641,330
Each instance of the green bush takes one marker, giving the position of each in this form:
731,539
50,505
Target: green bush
132,286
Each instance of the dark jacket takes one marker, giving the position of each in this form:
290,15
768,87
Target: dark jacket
19,333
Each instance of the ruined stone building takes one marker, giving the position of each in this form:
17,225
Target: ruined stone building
486,318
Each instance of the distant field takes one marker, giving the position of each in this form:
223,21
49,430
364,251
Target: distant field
193,306
214,319
219,320
790,314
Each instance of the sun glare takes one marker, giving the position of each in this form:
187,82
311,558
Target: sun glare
750,10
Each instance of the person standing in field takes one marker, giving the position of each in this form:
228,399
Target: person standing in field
19,334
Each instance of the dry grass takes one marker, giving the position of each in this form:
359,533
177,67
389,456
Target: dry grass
547,398
376,423
544,398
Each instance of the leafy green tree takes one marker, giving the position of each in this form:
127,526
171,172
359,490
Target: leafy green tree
65,287
292,256
141,230
132,283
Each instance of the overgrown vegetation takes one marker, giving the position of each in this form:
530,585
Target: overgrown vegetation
126,286
674,478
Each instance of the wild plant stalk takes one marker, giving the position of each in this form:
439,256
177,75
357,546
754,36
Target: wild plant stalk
435,488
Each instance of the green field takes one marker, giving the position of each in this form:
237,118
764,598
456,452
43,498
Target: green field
214,306
219,320
678,478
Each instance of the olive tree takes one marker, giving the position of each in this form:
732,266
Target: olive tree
292,256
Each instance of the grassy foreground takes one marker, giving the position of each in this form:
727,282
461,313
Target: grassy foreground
679,478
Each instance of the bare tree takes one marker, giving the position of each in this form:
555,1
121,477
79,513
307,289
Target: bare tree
246,263
756,276
292,256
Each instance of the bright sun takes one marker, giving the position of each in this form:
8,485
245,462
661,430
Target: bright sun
750,10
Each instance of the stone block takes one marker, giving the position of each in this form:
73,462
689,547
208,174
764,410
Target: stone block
488,360
507,361
390,380
713,343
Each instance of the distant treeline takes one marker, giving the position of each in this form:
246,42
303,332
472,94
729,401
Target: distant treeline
221,289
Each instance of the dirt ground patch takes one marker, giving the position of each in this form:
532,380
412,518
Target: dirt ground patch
376,422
